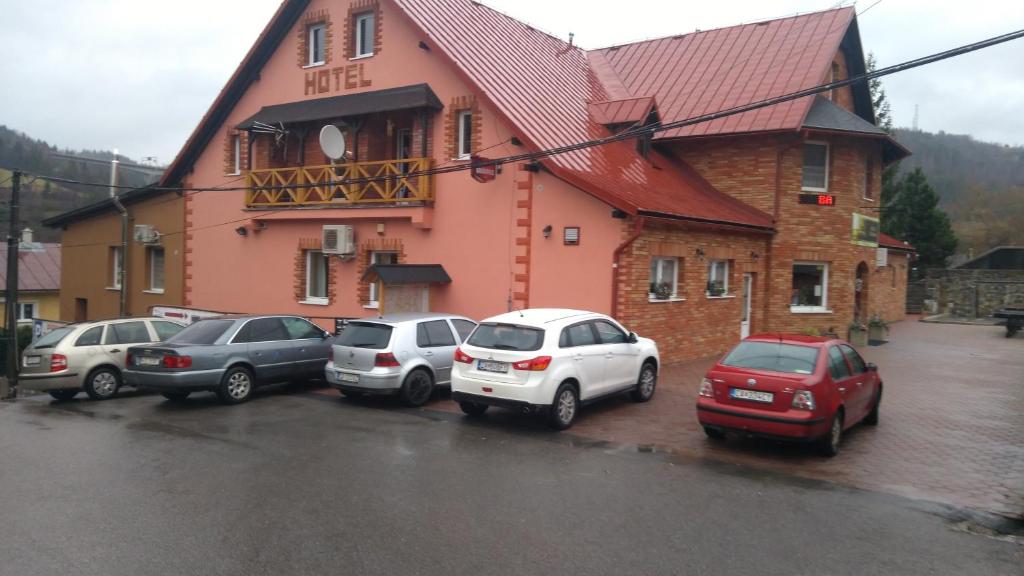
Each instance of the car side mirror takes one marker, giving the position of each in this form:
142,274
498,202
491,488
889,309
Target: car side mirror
325,335
872,367
632,337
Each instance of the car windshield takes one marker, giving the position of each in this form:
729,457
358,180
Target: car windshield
51,339
365,335
507,337
773,356
202,332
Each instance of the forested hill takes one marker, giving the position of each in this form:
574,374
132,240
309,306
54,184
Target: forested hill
41,199
981,185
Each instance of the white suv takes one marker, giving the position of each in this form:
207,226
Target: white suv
552,360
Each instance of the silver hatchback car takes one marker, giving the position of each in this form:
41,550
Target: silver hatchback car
89,356
398,354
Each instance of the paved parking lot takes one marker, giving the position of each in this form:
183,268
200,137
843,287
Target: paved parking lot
952,422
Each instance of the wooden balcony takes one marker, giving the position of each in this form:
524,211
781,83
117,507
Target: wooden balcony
358,183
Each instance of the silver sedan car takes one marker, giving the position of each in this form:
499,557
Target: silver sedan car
398,354
230,355
89,356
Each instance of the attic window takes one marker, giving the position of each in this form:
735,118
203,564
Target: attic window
465,134
364,25
571,236
317,43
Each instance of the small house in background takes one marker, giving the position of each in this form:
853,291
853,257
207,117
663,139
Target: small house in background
38,280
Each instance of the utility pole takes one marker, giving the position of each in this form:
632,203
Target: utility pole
9,386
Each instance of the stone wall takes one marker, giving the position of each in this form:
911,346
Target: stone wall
974,293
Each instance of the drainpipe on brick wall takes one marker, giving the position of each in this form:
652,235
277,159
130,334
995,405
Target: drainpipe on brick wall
122,272
638,230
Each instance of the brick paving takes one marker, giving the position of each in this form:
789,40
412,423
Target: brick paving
951,431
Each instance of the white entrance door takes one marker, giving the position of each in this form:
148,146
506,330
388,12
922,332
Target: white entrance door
748,288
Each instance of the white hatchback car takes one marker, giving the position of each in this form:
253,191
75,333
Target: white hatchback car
552,360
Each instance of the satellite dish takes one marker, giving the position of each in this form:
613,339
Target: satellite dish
332,142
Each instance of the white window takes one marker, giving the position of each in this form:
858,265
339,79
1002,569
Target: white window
317,42
236,154
26,310
718,278
316,277
156,270
810,287
115,267
379,258
664,284
465,127
364,25
815,177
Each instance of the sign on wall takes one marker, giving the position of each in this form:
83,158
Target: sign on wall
865,230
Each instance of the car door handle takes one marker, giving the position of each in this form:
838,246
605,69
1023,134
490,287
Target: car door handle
114,351
609,355
578,357
428,353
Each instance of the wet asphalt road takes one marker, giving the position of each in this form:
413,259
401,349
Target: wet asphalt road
297,483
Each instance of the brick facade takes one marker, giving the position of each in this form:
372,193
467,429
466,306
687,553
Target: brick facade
451,124
229,150
356,8
321,16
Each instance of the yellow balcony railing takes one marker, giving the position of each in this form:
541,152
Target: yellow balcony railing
380,182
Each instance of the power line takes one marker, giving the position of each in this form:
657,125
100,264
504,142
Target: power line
873,4
644,130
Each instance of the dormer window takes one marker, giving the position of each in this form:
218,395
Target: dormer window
465,134
317,42
364,25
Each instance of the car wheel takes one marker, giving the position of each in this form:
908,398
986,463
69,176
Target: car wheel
563,411
64,395
235,386
417,388
176,396
102,383
645,384
829,443
714,433
473,408
872,417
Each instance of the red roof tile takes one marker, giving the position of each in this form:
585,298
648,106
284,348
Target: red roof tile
704,72
542,85
38,267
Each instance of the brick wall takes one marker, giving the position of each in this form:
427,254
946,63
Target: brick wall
451,126
842,97
229,150
321,16
349,37
887,294
696,326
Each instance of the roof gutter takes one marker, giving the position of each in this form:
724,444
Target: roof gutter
123,257
705,221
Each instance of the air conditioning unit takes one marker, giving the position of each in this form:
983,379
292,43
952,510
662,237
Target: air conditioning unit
339,240
882,257
146,234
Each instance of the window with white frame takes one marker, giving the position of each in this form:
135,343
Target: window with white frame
465,134
815,175
664,283
379,258
316,277
236,154
156,269
718,277
317,43
364,26
810,287
26,311
115,267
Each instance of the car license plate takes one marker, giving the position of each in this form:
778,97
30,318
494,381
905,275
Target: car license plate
348,377
149,361
491,366
31,360
754,395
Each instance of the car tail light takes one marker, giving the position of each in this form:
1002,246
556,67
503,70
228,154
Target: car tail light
461,356
386,360
538,364
707,389
177,361
128,359
803,400
58,362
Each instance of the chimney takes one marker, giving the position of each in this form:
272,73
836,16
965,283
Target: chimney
26,236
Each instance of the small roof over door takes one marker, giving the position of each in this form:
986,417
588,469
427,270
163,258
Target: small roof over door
392,274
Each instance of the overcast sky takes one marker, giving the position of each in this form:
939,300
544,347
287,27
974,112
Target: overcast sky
139,74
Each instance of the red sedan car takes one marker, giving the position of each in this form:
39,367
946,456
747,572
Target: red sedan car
792,387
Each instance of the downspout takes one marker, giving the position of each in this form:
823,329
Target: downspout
638,230
123,276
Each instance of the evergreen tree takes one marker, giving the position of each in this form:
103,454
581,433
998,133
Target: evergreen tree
912,214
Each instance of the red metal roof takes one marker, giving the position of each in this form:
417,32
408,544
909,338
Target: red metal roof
624,111
890,242
703,72
542,85
38,267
